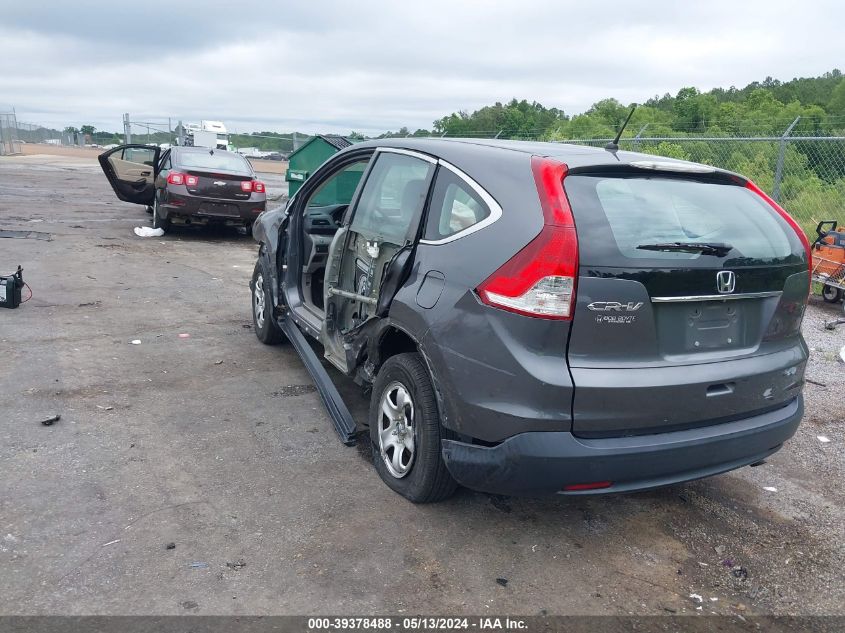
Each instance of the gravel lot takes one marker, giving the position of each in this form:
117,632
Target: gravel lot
219,445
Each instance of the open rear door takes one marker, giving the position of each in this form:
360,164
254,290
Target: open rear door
131,171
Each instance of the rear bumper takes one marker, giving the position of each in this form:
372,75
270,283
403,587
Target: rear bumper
540,463
211,210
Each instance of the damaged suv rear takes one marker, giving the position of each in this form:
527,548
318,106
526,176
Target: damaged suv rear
536,318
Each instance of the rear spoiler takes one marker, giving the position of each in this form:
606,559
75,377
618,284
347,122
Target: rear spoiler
667,168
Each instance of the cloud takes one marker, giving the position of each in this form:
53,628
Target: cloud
337,66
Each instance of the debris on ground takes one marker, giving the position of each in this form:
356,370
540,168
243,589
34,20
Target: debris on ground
237,565
770,489
696,597
184,335
170,546
842,354
198,565
502,581
111,542
824,439
188,604
49,421
105,408
136,341
148,231
740,572
719,549
218,362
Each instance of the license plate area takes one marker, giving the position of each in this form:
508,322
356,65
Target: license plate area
689,328
712,325
219,210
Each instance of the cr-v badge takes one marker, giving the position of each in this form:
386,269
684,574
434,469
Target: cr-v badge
725,281
614,306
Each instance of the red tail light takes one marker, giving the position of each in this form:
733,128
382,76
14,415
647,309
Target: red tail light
789,219
191,181
246,186
540,280
175,178
257,186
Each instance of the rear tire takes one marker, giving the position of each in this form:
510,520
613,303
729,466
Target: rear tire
158,221
831,294
263,321
405,431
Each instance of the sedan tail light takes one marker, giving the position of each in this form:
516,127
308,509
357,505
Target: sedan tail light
539,281
249,186
175,178
191,181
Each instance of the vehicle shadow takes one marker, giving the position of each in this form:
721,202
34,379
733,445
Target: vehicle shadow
211,233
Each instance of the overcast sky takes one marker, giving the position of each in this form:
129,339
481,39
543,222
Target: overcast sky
371,66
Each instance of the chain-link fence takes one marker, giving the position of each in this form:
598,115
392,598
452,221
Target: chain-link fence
9,141
805,174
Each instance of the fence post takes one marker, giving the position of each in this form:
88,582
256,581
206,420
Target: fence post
636,143
127,129
781,156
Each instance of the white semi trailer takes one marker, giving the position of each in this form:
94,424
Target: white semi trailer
211,134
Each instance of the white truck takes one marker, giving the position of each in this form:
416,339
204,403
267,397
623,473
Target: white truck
211,134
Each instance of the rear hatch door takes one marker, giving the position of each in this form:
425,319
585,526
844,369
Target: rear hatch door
690,297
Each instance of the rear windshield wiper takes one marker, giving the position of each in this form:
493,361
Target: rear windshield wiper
719,249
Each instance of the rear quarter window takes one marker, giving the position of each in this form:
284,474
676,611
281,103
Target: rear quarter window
454,207
614,215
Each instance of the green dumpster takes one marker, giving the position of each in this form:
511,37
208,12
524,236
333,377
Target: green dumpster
304,161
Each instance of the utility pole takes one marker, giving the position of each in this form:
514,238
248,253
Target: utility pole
127,129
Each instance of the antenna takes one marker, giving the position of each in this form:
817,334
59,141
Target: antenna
614,144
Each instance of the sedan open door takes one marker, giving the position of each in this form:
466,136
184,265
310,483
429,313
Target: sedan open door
131,170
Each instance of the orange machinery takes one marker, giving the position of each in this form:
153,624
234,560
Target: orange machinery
829,260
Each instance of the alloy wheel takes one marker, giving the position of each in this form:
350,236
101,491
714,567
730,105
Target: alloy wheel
396,430
259,303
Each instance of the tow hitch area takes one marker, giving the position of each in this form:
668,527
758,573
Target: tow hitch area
341,417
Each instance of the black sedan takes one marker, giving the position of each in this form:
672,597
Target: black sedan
186,185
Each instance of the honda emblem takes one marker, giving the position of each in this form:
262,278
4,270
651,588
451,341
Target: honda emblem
725,281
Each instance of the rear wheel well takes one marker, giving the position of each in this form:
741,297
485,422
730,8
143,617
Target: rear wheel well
394,341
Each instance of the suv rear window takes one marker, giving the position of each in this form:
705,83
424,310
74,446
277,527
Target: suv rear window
616,214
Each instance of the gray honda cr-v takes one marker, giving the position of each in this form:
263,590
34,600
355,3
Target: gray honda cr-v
539,318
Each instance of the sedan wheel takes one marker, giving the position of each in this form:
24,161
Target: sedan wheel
396,429
158,221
